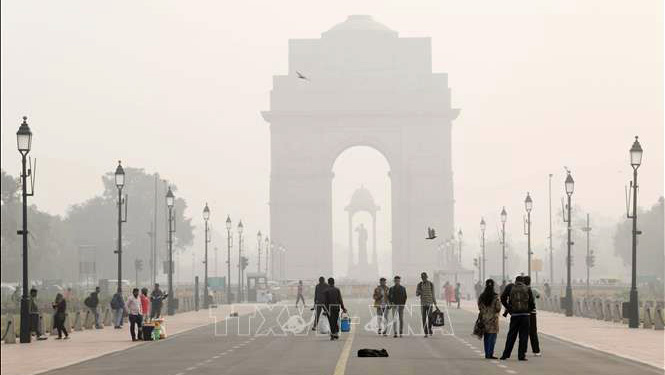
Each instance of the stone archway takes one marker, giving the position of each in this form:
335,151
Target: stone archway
365,86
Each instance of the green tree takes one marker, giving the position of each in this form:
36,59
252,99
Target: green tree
650,248
94,223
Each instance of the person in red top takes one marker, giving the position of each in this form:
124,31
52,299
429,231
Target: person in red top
145,303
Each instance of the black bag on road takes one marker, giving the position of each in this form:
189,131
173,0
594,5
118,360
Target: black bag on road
372,353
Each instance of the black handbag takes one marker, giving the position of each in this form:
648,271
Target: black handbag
479,327
437,318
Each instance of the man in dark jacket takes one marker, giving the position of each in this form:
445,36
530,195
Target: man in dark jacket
333,302
91,303
518,301
397,300
319,300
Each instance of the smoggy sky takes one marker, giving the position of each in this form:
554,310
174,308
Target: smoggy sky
177,86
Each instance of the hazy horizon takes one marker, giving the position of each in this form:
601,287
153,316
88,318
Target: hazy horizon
177,88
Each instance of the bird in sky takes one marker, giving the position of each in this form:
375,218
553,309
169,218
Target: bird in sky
302,76
431,233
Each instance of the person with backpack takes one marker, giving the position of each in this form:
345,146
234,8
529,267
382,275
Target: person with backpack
490,307
380,297
425,290
92,302
518,301
533,326
397,300
118,307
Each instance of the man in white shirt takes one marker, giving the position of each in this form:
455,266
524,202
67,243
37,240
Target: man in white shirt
135,314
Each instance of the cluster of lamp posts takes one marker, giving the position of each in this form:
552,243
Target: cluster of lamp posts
24,144
632,307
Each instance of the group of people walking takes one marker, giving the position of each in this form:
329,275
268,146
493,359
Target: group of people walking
518,300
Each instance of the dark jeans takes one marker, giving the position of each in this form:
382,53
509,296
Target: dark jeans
533,334
59,321
489,340
135,320
425,311
333,319
518,325
34,324
399,311
317,310
300,298
155,310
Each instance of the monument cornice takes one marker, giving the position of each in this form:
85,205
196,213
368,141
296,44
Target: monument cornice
270,116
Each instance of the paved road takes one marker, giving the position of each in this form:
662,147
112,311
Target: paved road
256,345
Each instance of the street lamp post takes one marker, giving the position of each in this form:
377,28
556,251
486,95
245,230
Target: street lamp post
635,162
240,283
228,259
268,254
258,242
206,216
482,231
528,205
570,187
24,142
504,217
170,201
460,235
587,230
120,183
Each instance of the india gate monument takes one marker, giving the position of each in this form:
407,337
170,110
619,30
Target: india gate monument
360,84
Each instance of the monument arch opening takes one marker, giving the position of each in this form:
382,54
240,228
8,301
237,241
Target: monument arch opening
361,217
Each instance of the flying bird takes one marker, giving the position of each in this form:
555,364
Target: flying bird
301,76
431,233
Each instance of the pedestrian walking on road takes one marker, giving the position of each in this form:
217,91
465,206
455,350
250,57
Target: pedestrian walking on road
425,290
397,300
490,307
60,308
300,296
134,310
518,301
92,303
533,324
448,293
118,307
33,310
157,297
380,297
458,294
334,301
319,300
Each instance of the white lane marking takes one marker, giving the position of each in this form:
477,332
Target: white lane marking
236,347
511,371
502,366
207,361
190,368
180,373
215,357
